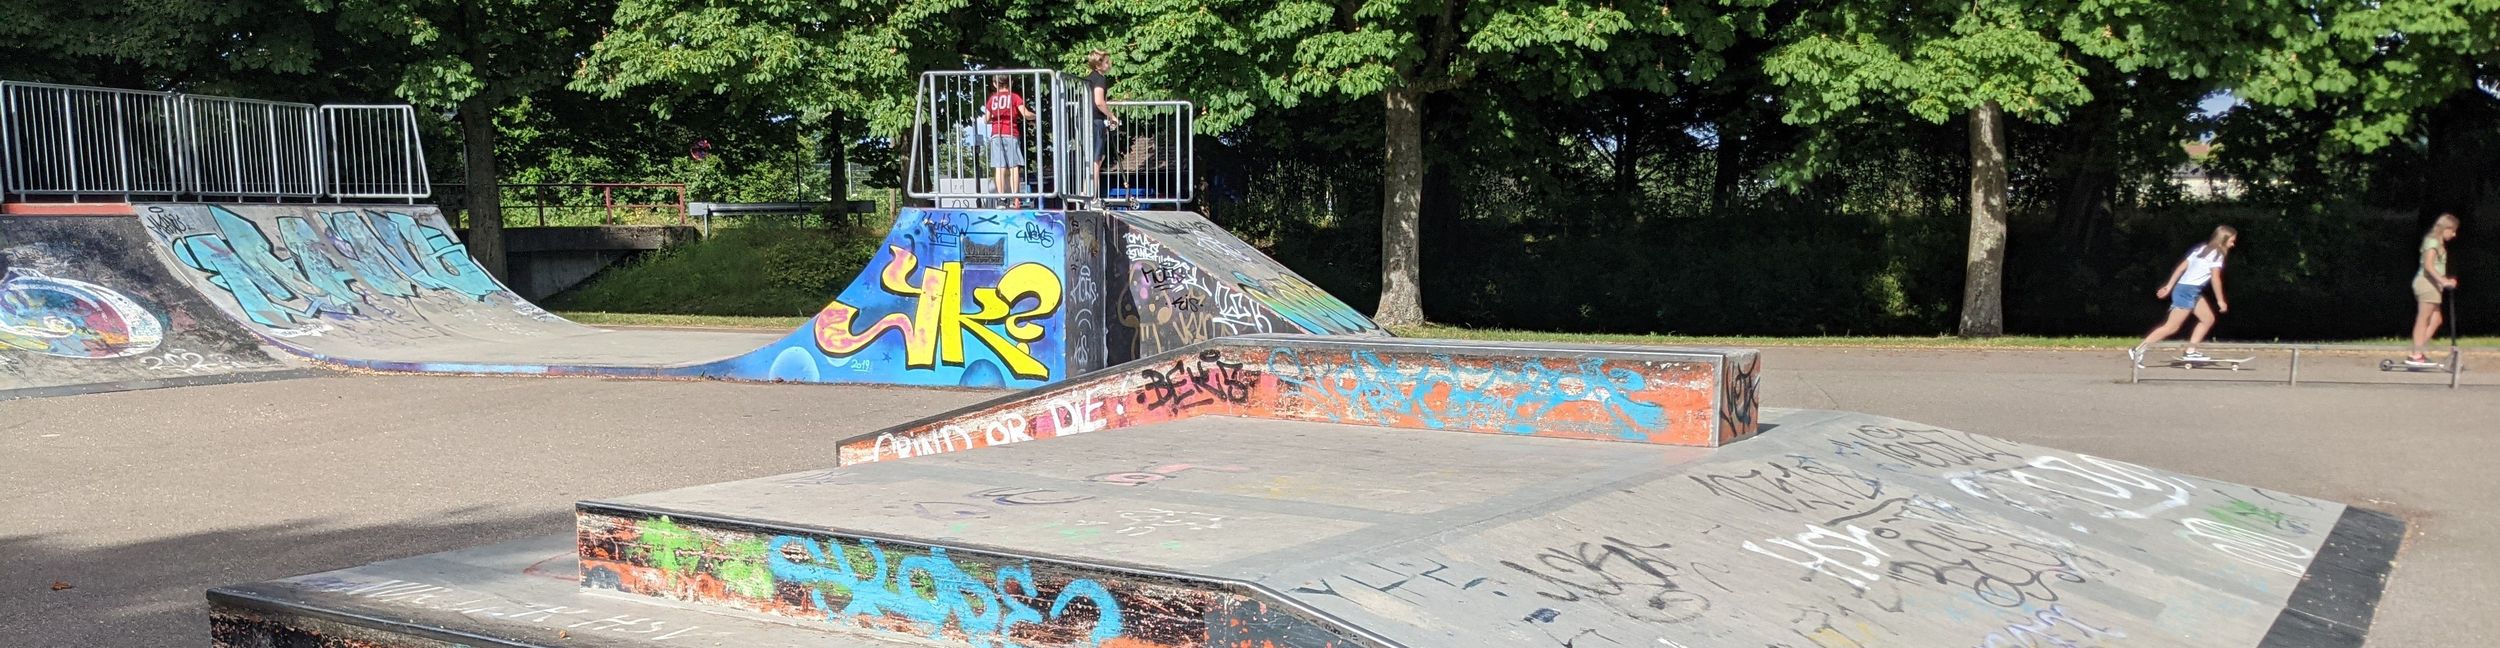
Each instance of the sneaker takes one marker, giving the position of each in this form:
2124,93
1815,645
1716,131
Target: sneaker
2194,355
2136,355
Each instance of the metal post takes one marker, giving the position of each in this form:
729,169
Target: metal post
69,133
2295,366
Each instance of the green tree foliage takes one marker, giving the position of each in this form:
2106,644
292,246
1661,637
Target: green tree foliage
1239,55
475,57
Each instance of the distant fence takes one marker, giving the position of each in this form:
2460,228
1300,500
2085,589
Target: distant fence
575,204
76,142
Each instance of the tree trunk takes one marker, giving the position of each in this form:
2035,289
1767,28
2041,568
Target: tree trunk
1401,212
836,152
1983,288
1727,168
477,134
477,137
837,163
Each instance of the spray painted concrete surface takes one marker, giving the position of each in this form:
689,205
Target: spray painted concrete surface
1702,397
1829,529
84,307
970,298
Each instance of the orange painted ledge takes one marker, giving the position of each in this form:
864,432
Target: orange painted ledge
66,209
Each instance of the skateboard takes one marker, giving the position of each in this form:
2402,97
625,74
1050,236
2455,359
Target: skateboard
2401,365
2233,363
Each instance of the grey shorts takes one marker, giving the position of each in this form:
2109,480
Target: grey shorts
1006,151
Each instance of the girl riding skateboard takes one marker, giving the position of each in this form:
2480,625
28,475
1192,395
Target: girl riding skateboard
2202,268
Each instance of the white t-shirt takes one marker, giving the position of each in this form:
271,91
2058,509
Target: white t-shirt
2201,264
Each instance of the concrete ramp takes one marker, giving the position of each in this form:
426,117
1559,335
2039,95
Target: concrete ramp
84,307
1318,491
971,298
1830,529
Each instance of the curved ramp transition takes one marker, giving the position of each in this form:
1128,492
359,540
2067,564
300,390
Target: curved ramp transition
84,307
976,298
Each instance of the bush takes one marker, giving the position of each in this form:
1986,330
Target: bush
754,269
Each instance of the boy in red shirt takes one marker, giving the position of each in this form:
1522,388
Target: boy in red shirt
1006,139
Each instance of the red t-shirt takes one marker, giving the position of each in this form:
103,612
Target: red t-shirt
1003,109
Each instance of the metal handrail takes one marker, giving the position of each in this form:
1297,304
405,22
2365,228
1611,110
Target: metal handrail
76,141
1156,146
952,158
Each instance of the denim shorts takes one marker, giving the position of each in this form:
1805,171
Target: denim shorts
2183,296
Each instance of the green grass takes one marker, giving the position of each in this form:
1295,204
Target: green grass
1456,333
1902,342
754,270
760,322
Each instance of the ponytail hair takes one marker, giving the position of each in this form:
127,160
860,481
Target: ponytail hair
2212,247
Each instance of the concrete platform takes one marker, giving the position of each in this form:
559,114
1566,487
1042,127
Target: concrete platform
1829,527
517,594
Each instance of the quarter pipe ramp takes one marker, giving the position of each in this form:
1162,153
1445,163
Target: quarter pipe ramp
974,298
84,307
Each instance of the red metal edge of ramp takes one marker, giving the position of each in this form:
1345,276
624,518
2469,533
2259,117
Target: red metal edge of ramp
1688,397
66,209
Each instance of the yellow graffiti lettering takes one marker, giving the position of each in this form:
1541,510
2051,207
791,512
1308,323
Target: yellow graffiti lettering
936,328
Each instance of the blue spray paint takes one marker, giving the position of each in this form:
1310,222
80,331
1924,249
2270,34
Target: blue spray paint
989,613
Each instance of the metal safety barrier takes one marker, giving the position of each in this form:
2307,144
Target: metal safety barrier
1150,153
988,134
973,147
373,152
75,141
252,148
57,139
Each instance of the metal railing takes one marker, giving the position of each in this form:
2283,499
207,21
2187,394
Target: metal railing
968,129
959,143
1150,153
76,141
577,204
71,140
374,152
247,147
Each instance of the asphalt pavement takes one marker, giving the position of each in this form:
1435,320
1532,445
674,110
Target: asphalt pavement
139,501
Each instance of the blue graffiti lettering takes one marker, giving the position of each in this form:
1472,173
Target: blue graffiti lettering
1516,395
1305,305
930,590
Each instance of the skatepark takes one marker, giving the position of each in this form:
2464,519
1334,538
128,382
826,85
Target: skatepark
1104,426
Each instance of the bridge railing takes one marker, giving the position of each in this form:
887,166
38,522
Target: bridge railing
77,142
